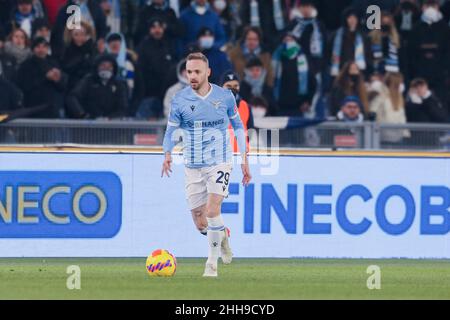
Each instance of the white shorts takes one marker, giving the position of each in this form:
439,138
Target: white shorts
201,181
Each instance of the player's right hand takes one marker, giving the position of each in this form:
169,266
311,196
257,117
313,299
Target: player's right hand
166,168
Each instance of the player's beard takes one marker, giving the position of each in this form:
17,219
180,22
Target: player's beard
196,86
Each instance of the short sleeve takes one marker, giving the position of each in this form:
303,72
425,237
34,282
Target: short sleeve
174,114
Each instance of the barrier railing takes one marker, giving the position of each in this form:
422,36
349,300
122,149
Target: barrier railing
329,135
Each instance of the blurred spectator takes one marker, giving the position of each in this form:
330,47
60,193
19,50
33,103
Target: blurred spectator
41,28
119,15
125,58
218,60
429,48
422,105
100,94
385,45
182,83
157,9
79,52
229,80
310,34
294,85
228,17
259,107
17,46
349,43
350,110
6,7
199,15
269,15
12,97
255,85
406,17
155,59
328,12
91,13
250,47
8,66
386,101
52,8
349,82
24,14
42,81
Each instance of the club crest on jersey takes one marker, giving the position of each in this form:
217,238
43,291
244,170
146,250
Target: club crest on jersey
216,104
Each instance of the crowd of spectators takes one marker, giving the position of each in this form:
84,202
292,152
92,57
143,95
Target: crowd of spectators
305,58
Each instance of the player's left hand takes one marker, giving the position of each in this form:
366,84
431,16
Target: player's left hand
246,173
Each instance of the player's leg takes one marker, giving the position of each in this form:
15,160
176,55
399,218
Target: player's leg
216,229
217,186
199,218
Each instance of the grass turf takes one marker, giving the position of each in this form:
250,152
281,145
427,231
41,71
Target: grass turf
115,278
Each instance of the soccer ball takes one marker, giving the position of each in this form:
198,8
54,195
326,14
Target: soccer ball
161,263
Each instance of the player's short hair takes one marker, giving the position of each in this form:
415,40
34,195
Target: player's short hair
198,56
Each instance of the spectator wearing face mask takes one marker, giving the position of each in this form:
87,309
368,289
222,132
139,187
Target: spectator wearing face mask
386,45
254,84
310,34
349,82
127,65
250,47
17,45
42,81
156,58
182,83
230,80
349,43
79,53
157,9
227,16
386,101
350,110
268,15
100,94
218,60
197,17
294,84
424,106
429,48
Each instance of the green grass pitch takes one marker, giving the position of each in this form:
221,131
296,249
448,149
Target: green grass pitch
115,278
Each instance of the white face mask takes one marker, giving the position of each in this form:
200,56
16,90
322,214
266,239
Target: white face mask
432,14
220,5
259,112
401,88
376,85
206,42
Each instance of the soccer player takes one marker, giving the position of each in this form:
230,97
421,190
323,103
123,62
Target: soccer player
200,115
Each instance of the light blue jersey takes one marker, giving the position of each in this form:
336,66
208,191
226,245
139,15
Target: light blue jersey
202,123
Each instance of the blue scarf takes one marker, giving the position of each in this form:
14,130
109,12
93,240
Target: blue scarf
316,44
86,14
337,49
277,14
389,63
302,70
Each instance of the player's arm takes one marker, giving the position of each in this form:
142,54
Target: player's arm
169,141
239,132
